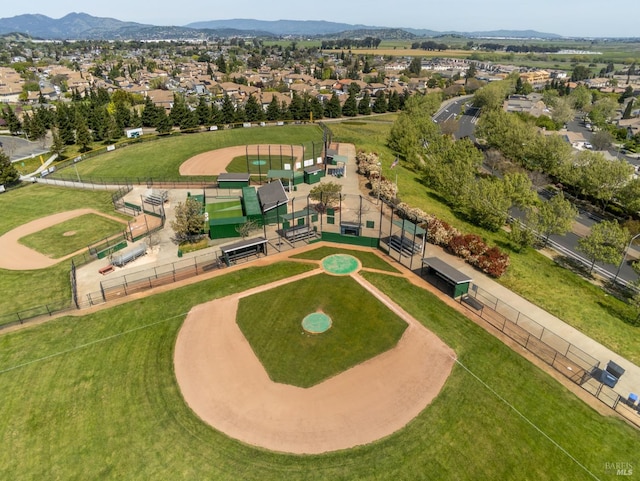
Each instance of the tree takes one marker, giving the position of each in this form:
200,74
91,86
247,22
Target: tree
83,135
605,243
247,228
350,107
228,110
332,109
326,194
273,109
364,106
8,173
471,72
601,140
188,225
57,145
554,217
580,97
253,110
562,111
380,103
415,66
629,196
10,117
580,72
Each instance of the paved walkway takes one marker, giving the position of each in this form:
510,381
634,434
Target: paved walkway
629,382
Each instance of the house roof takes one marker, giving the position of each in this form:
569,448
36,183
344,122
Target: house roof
272,195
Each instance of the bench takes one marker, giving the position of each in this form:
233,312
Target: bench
107,270
477,305
404,245
300,232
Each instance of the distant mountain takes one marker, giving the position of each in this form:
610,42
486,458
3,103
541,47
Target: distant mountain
281,27
84,26
73,25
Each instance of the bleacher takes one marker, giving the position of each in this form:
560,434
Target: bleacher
156,197
404,245
300,232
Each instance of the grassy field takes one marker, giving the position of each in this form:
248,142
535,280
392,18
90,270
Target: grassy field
72,235
367,259
362,327
27,289
239,164
102,403
573,299
161,159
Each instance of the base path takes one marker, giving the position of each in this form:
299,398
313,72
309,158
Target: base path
215,162
226,385
14,256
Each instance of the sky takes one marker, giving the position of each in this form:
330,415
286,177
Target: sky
583,18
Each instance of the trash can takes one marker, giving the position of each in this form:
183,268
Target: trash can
179,252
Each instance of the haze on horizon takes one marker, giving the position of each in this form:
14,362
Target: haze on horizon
572,18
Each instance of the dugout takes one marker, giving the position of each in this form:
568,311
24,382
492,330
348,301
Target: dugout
312,175
243,249
233,180
445,277
289,177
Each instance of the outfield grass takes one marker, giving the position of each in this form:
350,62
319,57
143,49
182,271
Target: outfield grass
366,258
559,291
362,327
239,164
96,398
26,289
72,235
161,159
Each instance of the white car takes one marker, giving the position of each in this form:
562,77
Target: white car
588,145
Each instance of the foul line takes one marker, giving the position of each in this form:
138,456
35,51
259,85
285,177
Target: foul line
527,420
92,343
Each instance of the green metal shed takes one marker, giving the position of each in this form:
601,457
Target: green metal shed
312,175
446,277
233,180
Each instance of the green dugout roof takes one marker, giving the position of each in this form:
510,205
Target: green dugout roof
409,227
251,202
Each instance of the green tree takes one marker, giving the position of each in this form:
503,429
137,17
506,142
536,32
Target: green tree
228,110
562,111
253,110
13,124
188,225
83,135
325,194
333,109
8,173
415,66
246,229
273,109
580,97
602,140
492,95
57,145
629,196
554,217
203,112
350,107
580,72
380,103
221,64
605,243
364,106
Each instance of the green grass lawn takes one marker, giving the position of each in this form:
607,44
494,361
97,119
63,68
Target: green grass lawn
96,398
239,164
367,259
72,235
362,327
161,159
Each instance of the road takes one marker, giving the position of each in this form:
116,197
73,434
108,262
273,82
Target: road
459,109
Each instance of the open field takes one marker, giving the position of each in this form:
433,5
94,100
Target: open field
72,235
161,159
362,327
103,403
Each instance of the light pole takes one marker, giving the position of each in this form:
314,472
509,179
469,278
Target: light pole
379,164
624,257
